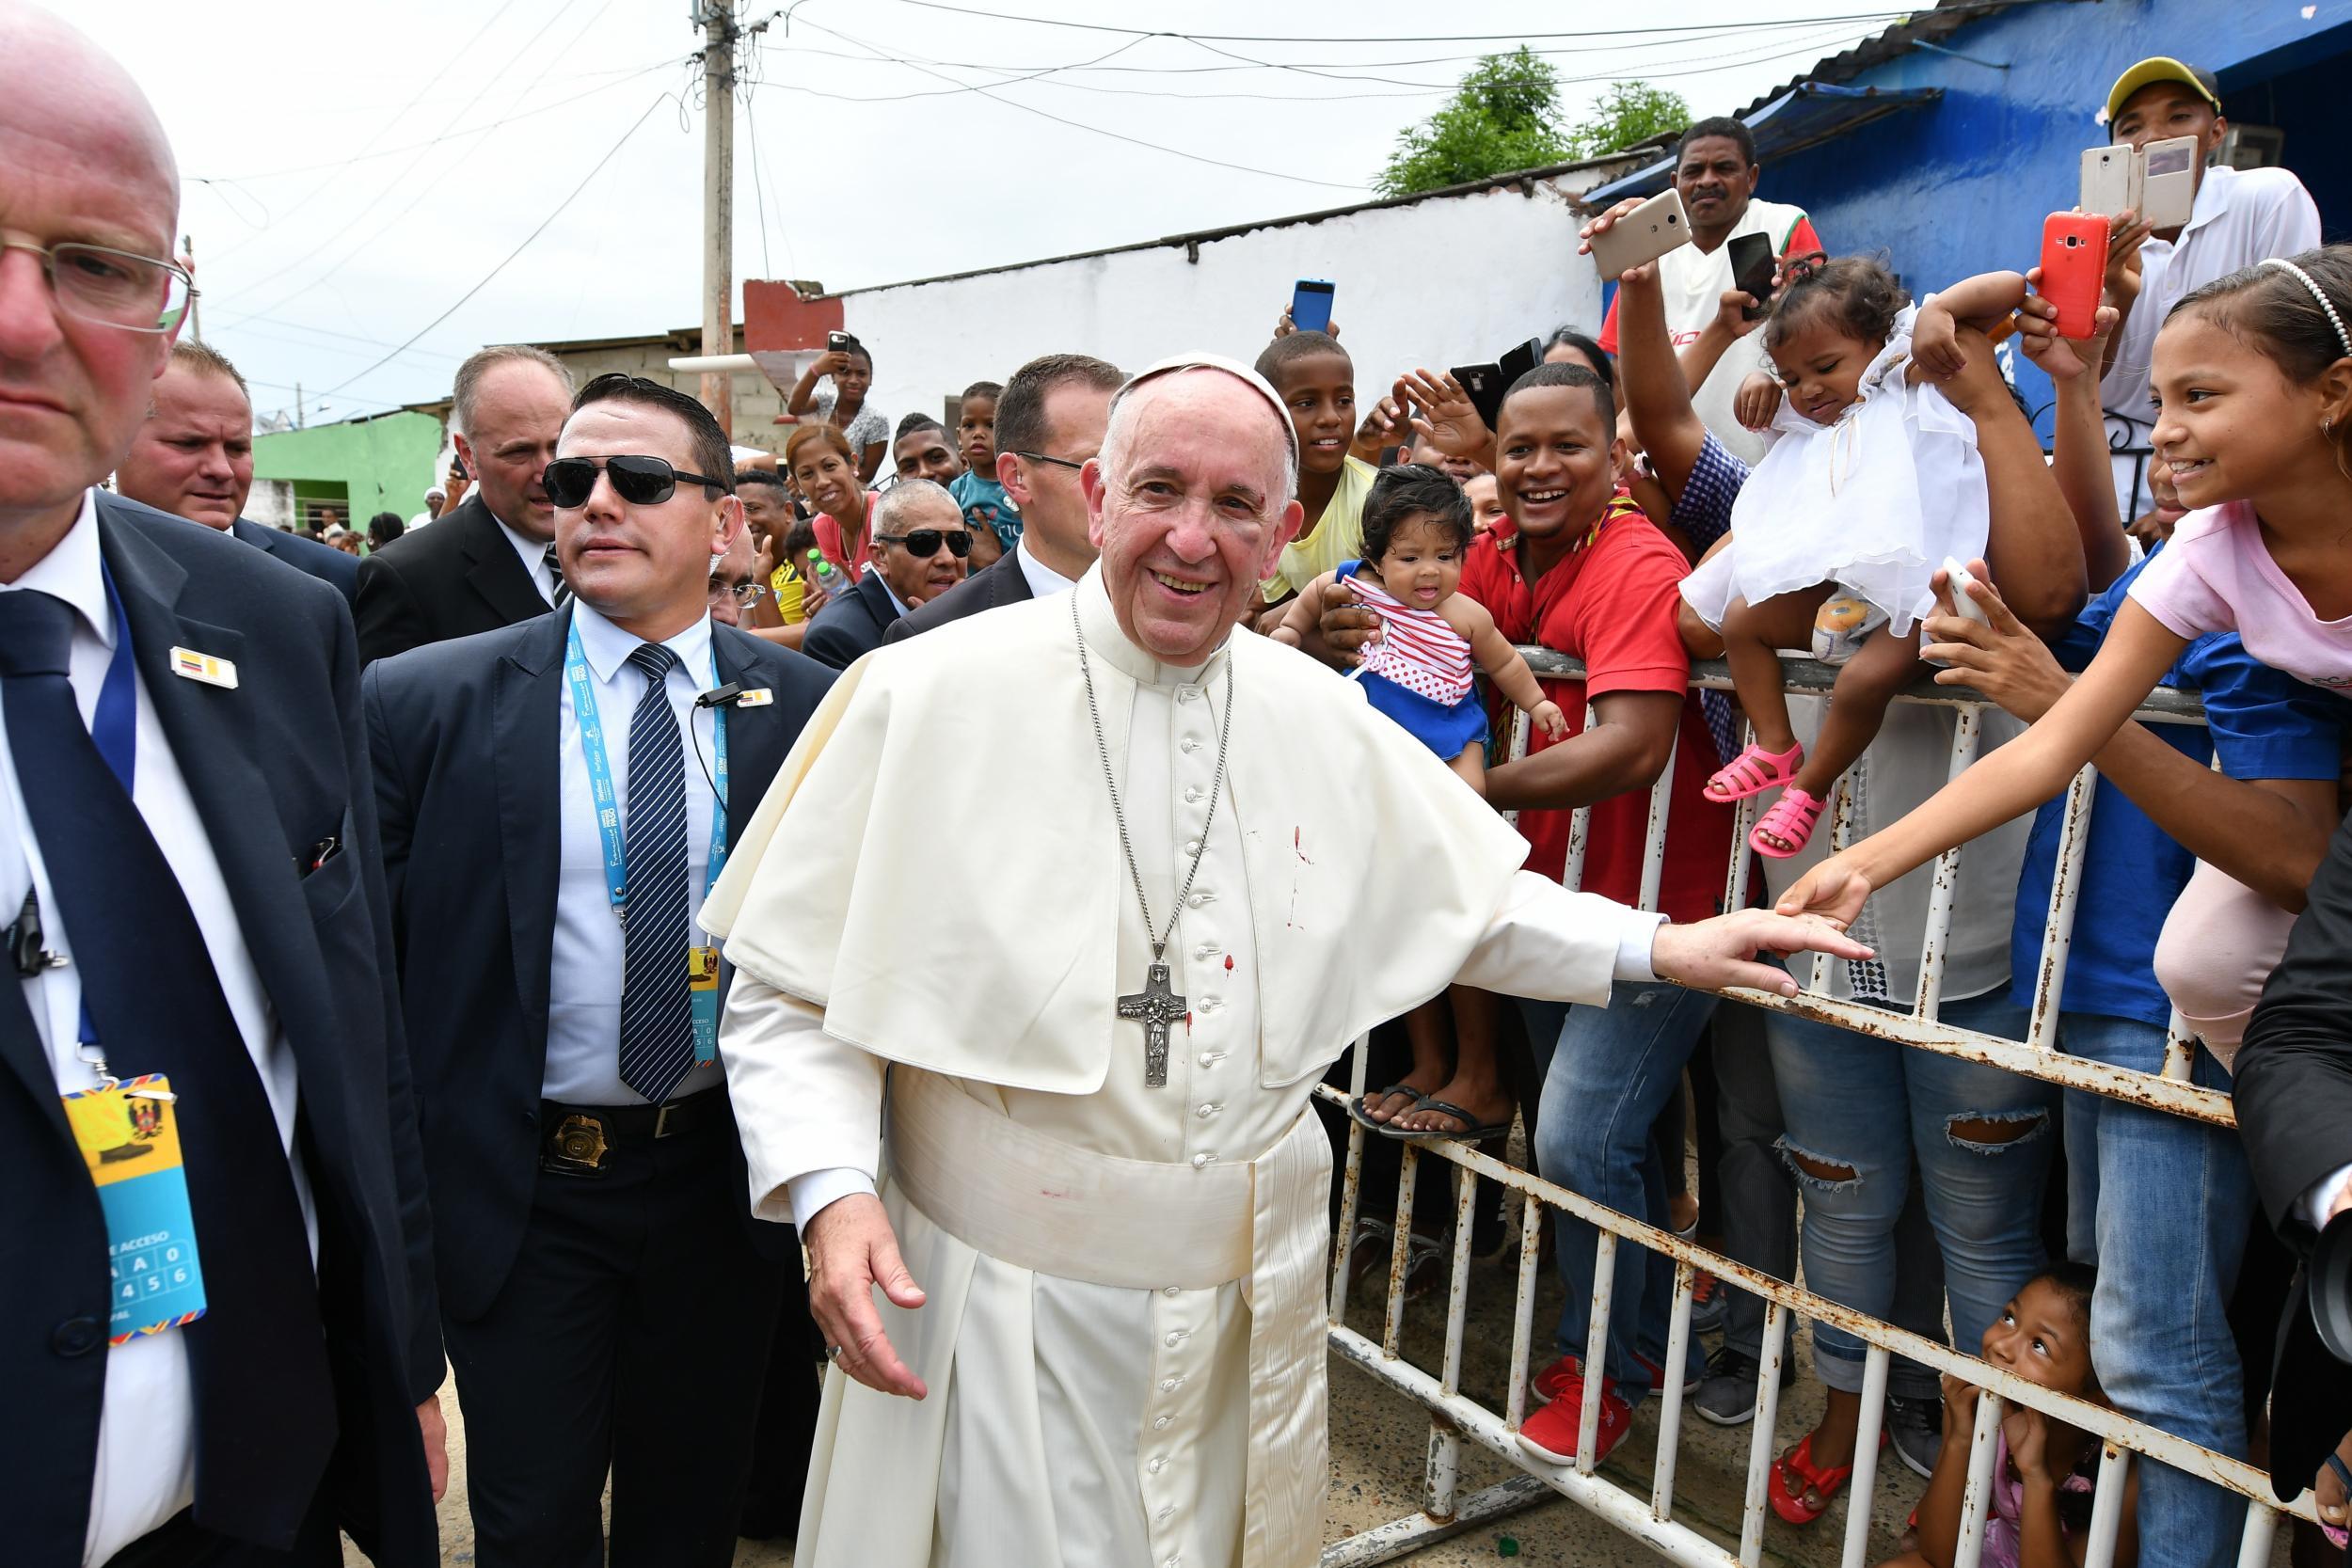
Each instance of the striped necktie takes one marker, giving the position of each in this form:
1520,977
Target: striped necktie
561,589
657,1015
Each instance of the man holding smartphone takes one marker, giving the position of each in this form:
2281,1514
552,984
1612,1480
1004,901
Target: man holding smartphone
2239,216
1716,173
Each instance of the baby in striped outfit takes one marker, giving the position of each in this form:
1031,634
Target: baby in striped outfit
1418,670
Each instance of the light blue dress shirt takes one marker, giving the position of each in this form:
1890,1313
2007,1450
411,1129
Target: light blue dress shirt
584,979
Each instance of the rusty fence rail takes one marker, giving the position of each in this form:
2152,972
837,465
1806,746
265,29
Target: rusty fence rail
1648,1515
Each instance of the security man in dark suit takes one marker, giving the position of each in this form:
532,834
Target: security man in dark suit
217,1324
490,561
194,459
608,1301
1049,423
921,542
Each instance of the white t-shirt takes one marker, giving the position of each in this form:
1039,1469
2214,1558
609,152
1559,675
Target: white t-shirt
1695,282
2241,217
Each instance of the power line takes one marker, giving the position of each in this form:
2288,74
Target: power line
1093,130
1424,38
556,211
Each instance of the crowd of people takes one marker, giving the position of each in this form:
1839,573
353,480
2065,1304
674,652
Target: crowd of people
557,1038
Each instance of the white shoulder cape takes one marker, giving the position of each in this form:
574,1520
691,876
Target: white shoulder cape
989,952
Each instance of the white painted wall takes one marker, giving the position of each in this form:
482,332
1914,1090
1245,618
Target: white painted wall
1449,280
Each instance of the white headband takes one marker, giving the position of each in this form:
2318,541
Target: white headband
2342,339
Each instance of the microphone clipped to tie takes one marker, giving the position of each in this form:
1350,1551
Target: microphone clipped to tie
734,695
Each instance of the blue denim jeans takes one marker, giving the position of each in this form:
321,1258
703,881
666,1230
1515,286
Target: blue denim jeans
1609,1076
2161,1204
1872,1107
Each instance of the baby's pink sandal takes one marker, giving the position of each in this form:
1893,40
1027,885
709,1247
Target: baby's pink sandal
1790,820
1754,771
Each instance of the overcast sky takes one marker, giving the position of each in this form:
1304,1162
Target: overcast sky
355,169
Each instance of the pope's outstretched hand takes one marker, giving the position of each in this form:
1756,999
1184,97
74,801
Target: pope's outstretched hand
851,1251
1725,951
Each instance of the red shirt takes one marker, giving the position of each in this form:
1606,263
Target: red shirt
1610,602
828,531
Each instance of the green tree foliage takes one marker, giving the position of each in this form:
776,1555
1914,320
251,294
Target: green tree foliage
1627,113
1505,116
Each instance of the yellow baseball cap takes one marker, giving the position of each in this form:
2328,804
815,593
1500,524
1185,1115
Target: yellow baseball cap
2163,67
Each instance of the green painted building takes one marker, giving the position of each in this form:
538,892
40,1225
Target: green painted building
361,466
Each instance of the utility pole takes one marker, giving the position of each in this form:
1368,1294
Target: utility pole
717,20
187,256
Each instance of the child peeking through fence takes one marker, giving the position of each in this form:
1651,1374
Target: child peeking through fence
2038,1514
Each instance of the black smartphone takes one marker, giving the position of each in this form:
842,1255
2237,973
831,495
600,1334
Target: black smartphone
1752,263
838,342
1521,358
1485,384
1311,305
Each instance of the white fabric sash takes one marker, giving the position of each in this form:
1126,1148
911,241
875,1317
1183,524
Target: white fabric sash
1049,1207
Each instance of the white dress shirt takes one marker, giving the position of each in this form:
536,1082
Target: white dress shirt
1044,582
146,1469
584,1065
897,605
2241,217
533,553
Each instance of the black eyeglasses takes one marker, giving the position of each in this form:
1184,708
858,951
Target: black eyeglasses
638,481
1057,462
924,542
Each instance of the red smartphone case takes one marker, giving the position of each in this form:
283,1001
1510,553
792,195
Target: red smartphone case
2073,269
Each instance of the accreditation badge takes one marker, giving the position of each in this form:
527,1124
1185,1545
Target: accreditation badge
129,1135
702,990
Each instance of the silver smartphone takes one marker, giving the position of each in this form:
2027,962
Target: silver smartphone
2168,182
1656,227
2110,180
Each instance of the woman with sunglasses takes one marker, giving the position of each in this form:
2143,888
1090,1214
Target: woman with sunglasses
822,463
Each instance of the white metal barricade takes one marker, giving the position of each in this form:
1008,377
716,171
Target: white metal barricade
1649,1516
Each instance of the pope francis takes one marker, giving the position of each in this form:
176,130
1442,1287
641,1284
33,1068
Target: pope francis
1057,1071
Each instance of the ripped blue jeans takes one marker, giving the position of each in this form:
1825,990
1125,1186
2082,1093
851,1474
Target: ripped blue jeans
1867,1108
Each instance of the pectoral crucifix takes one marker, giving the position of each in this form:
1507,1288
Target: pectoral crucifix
1158,1005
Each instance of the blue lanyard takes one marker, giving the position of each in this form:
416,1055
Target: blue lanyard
114,727
607,799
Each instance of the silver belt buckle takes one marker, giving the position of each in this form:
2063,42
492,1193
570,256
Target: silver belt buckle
662,1120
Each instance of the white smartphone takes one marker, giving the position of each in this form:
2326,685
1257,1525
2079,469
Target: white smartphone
2168,182
1960,578
2110,180
1656,227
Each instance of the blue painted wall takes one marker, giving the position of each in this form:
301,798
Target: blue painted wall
1961,186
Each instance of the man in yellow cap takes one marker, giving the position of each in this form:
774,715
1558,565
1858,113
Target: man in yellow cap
2240,217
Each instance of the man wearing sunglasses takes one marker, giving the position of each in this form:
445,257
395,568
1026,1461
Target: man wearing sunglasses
608,1303
188,857
921,542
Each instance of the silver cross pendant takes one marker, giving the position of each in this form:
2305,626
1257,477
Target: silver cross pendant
1158,1005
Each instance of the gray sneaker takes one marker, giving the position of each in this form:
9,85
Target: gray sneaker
1728,1394
1915,1428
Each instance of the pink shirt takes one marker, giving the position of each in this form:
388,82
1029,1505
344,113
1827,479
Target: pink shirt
2218,576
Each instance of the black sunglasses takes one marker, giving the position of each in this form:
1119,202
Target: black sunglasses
638,481
1057,462
924,542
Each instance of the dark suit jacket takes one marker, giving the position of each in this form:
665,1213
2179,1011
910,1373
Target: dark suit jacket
465,739
328,564
999,583
2293,1085
275,765
851,625
453,578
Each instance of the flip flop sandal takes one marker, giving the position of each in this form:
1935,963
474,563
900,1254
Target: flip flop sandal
1790,820
1356,1106
1752,772
1791,1500
2336,1534
1477,1134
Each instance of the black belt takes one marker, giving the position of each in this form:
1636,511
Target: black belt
578,1140
177,1543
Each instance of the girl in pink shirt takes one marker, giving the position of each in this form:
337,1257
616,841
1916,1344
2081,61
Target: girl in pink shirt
2254,379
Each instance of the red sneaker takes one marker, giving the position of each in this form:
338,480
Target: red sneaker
1551,1433
1568,1371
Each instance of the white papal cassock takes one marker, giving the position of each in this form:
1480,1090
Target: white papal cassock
931,921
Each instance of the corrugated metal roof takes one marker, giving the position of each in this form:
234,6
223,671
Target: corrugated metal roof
1929,26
